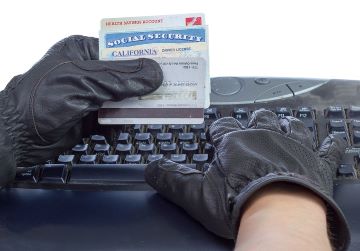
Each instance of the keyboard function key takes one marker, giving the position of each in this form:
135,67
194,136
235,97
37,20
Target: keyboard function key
356,137
354,112
241,114
334,112
305,113
282,112
211,113
355,124
336,125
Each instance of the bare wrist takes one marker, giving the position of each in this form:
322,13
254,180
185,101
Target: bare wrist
283,216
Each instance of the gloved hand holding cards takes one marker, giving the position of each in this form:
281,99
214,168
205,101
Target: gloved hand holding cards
179,43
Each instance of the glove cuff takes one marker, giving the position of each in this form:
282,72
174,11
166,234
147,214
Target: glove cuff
337,224
14,135
7,151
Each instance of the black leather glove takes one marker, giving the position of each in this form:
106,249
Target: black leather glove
42,110
247,159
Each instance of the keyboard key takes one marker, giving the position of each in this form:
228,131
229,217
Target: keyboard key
80,149
133,159
355,124
202,137
144,138
154,129
211,113
107,174
145,149
124,149
137,128
337,125
66,159
88,159
98,139
176,129
334,112
102,149
356,137
190,148
200,160
241,114
124,138
346,170
186,137
168,149
282,112
305,113
153,157
209,150
309,123
354,112
197,128
340,134
164,137
178,158
54,173
110,159
29,174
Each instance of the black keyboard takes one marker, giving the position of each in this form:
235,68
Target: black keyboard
114,157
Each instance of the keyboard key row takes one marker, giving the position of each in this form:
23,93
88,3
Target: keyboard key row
189,157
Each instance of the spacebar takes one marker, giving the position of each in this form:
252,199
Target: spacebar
113,173
108,173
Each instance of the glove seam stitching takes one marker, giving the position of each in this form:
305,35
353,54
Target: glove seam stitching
33,94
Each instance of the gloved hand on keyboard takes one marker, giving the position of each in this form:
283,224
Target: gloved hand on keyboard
42,109
269,150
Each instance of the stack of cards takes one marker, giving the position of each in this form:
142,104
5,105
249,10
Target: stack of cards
179,43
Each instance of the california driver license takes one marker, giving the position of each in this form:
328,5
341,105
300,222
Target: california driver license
179,100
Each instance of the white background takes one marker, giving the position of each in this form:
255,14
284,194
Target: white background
306,38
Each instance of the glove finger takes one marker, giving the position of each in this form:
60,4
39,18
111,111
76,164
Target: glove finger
132,77
77,47
223,126
332,149
191,190
264,119
73,89
296,130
